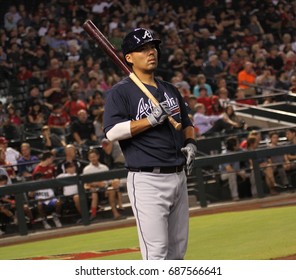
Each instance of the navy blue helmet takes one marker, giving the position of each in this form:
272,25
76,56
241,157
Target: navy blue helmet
137,38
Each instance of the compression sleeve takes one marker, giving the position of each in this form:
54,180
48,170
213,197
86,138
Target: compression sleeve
120,131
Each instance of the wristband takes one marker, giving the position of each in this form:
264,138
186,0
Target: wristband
190,140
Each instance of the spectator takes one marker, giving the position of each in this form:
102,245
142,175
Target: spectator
35,117
26,162
93,167
252,133
232,171
13,117
55,93
13,125
56,71
33,98
282,81
83,130
266,80
241,98
95,104
208,125
47,202
91,88
215,108
111,154
71,155
9,203
52,141
4,201
97,116
214,70
223,97
70,192
76,27
235,66
275,59
291,158
222,83
265,165
11,154
246,79
24,73
192,101
204,98
100,7
233,119
74,105
279,161
201,83
184,89
293,84
255,27
178,61
59,121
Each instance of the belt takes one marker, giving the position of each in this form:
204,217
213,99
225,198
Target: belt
160,170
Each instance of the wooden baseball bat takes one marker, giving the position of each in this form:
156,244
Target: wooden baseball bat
109,49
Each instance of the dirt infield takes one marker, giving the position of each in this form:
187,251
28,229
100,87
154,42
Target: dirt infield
86,255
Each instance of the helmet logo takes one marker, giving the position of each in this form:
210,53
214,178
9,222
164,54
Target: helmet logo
147,34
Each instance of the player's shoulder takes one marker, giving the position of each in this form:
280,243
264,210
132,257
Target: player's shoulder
166,84
121,85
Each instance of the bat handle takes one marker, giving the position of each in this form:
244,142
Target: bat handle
174,123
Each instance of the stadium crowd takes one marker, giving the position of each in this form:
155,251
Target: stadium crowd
54,77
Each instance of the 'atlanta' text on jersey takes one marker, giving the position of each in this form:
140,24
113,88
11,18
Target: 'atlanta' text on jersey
145,109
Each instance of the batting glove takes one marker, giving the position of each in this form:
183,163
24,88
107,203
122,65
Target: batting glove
190,151
159,114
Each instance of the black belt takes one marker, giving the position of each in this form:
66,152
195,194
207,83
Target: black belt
163,169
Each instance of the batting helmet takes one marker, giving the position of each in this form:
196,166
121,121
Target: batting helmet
137,38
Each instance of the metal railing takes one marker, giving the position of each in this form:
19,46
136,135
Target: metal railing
18,189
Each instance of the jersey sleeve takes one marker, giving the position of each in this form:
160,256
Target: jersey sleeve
115,109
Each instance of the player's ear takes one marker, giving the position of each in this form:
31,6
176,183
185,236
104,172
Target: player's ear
128,58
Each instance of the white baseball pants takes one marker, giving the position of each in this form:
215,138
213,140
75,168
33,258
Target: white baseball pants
160,206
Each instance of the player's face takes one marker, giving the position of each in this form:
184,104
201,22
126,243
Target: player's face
144,58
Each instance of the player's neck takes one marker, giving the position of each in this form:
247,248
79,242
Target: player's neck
146,78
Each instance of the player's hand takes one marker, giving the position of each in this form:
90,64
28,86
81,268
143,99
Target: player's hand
159,114
190,152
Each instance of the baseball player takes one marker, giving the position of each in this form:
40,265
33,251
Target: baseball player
155,153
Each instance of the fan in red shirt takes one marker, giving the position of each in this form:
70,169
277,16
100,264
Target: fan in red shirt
45,167
215,108
58,119
74,105
204,98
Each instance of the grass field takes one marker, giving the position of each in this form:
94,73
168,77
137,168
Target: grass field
247,235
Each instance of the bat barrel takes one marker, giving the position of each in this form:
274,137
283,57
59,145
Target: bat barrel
98,37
